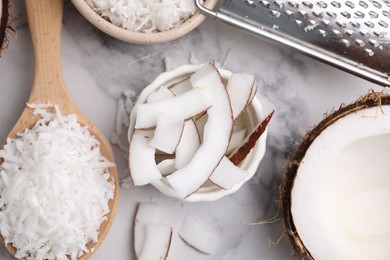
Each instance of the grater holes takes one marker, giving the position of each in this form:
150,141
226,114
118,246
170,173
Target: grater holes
346,14
373,43
326,23
322,4
355,24
377,4
364,33
279,4
275,14
363,4
373,14
303,14
298,22
350,4
379,34
318,14
346,42
265,4
341,24
383,24
360,42
386,13
288,13
293,4
369,52
336,4
250,3
336,32
331,14
350,33
308,4
369,24
322,32
359,14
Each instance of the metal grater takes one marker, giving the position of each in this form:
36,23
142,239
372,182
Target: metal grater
351,35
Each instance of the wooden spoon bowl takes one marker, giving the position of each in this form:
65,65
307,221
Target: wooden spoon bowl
45,21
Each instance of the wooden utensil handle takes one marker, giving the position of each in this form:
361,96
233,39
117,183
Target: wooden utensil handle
45,22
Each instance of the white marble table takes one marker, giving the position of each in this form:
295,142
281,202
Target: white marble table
98,68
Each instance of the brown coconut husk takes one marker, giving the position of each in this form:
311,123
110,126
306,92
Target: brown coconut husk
372,99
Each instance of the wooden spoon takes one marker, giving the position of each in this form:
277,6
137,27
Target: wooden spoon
45,21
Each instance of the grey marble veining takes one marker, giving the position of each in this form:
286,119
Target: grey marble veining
98,68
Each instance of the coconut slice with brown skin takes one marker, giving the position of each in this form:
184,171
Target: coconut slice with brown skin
147,213
142,164
335,192
243,150
157,242
236,140
227,175
168,133
198,235
188,145
216,137
187,105
239,88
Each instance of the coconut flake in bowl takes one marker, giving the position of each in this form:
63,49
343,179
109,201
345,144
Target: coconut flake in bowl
181,101
142,21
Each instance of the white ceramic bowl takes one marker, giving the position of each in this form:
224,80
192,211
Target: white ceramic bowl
138,37
254,114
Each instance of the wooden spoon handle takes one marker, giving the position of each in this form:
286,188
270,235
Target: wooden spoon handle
45,21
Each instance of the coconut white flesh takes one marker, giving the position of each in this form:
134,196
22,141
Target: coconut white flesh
157,242
188,145
341,194
147,214
142,164
166,167
168,132
217,133
181,87
200,122
227,175
160,94
253,94
239,88
187,105
236,140
198,235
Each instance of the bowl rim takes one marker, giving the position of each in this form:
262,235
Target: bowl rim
137,37
250,163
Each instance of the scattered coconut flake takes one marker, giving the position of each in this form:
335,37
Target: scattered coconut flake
54,187
199,235
146,16
157,242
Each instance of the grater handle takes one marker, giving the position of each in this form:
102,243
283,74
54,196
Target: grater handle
301,46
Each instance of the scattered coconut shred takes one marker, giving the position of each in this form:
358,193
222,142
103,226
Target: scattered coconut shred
54,188
146,16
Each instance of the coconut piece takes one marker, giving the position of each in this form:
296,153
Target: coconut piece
188,145
337,183
241,152
147,214
187,105
181,87
217,133
142,165
239,88
200,122
166,166
236,140
157,242
168,132
253,94
199,235
160,94
227,175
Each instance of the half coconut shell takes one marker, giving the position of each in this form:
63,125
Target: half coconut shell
372,99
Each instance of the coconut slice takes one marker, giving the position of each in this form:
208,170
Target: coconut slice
200,122
188,145
217,133
166,167
187,105
181,87
142,164
168,132
336,190
236,140
146,214
157,242
241,152
198,235
227,175
239,88
160,94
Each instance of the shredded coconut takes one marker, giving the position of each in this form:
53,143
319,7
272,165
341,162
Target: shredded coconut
54,188
145,16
